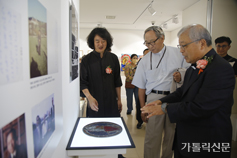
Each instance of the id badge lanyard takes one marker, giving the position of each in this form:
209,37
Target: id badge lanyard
159,61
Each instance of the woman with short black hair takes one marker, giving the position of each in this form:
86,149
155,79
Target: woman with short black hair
103,33
100,79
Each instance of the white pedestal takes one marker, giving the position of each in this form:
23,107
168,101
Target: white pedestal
85,146
100,153
82,106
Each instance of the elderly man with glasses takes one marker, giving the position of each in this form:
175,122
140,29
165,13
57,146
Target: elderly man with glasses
153,77
222,47
201,107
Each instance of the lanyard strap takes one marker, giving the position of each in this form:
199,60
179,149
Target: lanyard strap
159,61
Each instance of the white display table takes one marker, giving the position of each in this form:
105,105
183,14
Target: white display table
85,146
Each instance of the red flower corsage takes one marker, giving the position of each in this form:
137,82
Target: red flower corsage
108,70
201,64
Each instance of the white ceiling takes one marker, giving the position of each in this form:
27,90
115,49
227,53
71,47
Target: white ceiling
131,14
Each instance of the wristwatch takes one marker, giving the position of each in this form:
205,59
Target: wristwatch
163,107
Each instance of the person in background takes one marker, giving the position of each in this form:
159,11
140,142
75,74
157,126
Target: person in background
100,78
153,77
222,47
201,107
131,89
145,51
138,106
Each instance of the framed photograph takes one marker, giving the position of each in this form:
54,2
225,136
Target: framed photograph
37,21
73,42
43,123
14,138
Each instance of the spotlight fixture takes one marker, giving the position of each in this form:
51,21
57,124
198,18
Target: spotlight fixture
151,10
152,22
175,19
99,25
165,26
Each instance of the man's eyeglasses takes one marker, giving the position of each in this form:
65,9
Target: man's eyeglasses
183,46
150,43
224,46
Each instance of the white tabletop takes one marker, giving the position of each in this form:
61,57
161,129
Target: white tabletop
81,140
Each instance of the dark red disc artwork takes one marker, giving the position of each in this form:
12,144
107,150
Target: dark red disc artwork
102,129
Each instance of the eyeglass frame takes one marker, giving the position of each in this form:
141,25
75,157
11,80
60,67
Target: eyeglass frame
151,43
182,46
223,46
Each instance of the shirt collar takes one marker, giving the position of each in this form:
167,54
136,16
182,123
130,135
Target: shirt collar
98,54
160,52
13,154
194,66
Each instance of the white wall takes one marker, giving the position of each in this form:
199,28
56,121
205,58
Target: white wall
195,14
174,40
225,24
17,97
70,90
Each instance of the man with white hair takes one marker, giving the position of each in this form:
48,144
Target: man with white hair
153,77
201,107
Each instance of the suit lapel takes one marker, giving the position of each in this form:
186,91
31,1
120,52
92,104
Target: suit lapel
193,75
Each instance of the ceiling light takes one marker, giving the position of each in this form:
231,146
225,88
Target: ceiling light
110,17
99,25
175,19
165,26
151,10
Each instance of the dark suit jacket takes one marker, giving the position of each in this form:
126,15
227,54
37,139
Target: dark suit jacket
21,151
201,108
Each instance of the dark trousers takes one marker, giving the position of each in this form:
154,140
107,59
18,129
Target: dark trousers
129,93
138,112
177,154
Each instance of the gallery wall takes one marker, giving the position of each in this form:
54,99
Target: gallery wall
195,14
225,24
35,76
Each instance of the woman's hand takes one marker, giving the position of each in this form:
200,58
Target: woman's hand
93,103
120,105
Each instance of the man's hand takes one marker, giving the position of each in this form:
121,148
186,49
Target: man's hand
93,103
152,109
120,106
177,76
144,117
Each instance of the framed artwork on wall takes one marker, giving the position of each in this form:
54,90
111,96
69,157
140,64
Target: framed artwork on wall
73,42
